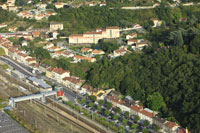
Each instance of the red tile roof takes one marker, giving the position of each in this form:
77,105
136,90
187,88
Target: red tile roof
36,33
146,113
170,124
58,70
30,59
136,108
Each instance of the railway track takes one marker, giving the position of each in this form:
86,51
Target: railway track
33,90
62,116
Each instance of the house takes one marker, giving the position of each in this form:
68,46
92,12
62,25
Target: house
98,52
3,25
56,54
140,45
30,61
5,44
92,3
48,45
53,49
146,114
12,29
22,58
132,41
12,8
119,52
84,89
102,4
86,50
59,5
39,16
182,19
36,34
94,36
132,35
3,6
24,43
80,58
57,74
10,2
68,54
55,34
170,127
28,37
136,26
55,26
156,22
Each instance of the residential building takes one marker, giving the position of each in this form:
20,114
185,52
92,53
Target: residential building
136,26
86,50
98,52
12,8
156,22
182,19
170,127
132,35
3,6
102,4
39,16
135,109
59,5
3,25
79,58
12,29
10,2
119,52
146,114
36,34
72,82
140,45
95,36
57,74
55,26
30,61
132,41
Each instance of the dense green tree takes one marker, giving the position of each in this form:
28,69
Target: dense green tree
136,118
109,105
101,102
194,46
155,101
146,123
41,54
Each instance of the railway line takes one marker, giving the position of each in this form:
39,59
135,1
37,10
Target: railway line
77,123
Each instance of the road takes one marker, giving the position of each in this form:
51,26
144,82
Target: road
70,95
16,66
154,6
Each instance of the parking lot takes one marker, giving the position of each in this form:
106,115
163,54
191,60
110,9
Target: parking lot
8,125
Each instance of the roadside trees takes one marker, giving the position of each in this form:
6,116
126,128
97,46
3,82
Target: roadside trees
136,118
146,123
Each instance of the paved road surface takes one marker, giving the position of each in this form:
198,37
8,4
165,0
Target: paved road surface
15,66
